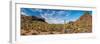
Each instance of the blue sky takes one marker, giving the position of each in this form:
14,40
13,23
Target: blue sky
54,16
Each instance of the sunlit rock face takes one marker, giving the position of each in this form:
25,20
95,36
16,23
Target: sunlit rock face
84,23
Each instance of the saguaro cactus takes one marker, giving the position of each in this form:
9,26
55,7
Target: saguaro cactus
64,26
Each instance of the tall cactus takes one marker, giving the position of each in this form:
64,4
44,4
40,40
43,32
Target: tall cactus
64,26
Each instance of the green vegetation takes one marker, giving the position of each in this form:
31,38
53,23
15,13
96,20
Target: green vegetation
39,27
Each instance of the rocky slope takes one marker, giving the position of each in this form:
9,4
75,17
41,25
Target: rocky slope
84,23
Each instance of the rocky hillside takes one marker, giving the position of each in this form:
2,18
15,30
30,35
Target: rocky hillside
84,23
31,18
85,19
29,24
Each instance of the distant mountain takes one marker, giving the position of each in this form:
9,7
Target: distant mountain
34,18
31,18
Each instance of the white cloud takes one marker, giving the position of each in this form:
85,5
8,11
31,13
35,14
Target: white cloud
23,13
53,21
63,13
53,17
39,10
60,12
46,15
